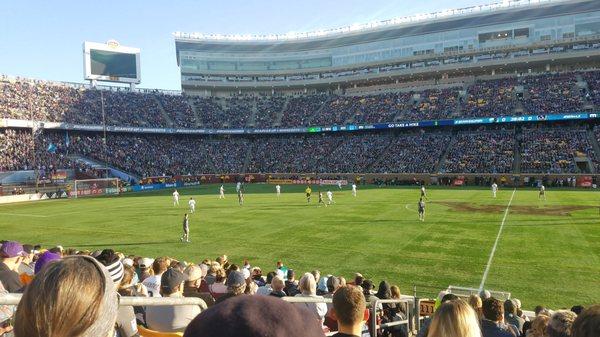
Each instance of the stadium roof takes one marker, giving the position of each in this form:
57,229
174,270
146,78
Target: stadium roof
508,11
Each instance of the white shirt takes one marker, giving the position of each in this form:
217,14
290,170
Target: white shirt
329,195
221,189
175,194
354,187
192,203
278,188
494,187
153,285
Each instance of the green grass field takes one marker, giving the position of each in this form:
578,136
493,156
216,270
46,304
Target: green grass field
548,252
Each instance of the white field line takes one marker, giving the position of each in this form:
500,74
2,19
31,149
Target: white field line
489,264
25,215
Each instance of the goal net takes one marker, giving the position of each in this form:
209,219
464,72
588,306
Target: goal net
94,187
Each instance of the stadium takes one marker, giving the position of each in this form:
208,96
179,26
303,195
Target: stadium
454,155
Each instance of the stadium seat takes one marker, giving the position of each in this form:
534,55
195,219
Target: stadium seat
151,333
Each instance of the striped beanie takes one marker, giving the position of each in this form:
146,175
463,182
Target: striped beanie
115,270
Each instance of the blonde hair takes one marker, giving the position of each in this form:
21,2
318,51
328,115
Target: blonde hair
477,305
307,284
277,283
395,292
74,296
454,319
538,326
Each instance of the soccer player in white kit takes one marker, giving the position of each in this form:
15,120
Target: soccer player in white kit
339,183
221,192
330,197
353,189
192,204
238,187
542,192
278,189
494,189
175,198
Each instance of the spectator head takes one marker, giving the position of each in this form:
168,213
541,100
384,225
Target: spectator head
291,275
279,264
577,309
171,282
539,309
349,308
12,254
322,285
358,279
449,297
145,263
112,263
493,310
128,277
221,276
367,286
194,275
342,281
277,283
395,292
74,296
270,276
510,308
160,265
485,294
587,323
236,283
561,324
454,319
45,259
539,326
476,304
333,283
307,284
384,292
317,274
214,267
254,316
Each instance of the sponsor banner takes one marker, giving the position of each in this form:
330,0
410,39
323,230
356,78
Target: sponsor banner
584,181
6,122
59,176
280,181
307,182
460,181
194,183
426,307
138,188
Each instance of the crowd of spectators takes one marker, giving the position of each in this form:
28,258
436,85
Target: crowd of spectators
56,102
482,152
67,292
490,98
543,150
551,93
553,150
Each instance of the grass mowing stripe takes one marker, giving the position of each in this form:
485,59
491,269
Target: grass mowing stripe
489,264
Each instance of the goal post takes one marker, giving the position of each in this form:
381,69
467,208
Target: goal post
95,187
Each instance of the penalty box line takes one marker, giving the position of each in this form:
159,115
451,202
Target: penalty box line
489,263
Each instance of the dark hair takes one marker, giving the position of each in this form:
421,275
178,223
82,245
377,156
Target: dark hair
107,257
493,309
587,323
538,309
510,307
367,285
384,291
270,276
291,274
449,297
358,280
578,309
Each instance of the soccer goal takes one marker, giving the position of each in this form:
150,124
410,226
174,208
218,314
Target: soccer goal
93,187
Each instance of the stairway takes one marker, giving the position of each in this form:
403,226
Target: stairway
98,164
442,160
163,112
248,156
190,102
279,116
254,111
595,146
516,168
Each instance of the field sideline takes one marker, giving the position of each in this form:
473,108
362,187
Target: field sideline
548,252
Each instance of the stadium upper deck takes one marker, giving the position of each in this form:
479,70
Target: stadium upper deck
513,35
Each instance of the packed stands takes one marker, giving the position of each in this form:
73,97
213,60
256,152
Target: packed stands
483,152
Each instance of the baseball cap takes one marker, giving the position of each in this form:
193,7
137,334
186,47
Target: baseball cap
172,278
12,249
193,272
254,316
146,262
235,279
127,262
44,259
28,249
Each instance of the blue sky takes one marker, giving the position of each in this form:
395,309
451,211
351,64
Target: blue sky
43,39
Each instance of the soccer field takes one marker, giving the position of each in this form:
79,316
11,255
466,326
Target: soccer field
547,253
